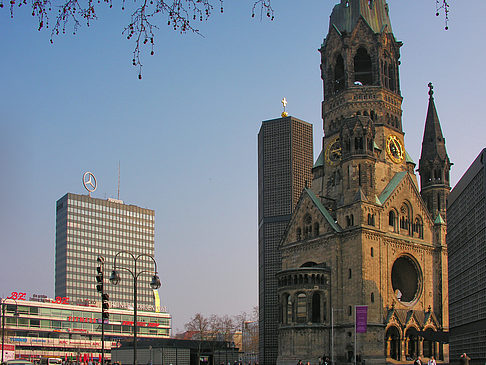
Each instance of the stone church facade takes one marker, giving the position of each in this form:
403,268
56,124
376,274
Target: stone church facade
364,233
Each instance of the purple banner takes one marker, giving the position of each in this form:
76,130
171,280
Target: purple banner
361,318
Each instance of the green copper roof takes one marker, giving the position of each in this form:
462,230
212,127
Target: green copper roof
408,158
377,201
323,210
439,220
392,185
320,160
346,14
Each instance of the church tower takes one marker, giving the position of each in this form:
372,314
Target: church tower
362,235
434,164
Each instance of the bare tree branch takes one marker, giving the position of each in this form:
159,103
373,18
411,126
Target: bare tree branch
265,8
443,5
146,17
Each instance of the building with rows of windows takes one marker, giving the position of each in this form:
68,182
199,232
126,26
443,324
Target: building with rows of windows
466,240
88,227
40,328
284,168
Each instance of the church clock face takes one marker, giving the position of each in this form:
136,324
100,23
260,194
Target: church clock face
333,151
394,149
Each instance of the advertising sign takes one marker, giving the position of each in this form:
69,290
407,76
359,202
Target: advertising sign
8,352
361,318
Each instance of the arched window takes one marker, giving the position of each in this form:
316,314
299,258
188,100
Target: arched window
316,229
288,312
418,227
405,219
362,67
391,76
391,218
339,74
371,219
307,226
372,297
316,308
372,252
386,77
301,308
350,273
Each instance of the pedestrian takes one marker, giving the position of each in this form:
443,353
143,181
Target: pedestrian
432,361
418,361
464,360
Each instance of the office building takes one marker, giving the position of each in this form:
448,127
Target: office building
40,327
88,227
466,241
285,156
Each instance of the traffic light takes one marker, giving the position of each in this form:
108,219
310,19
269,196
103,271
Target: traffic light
105,305
99,279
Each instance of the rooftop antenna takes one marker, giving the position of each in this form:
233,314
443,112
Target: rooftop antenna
118,196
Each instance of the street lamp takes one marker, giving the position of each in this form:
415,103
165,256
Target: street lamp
16,314
154,284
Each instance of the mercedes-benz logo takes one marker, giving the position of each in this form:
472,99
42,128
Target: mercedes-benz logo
89,182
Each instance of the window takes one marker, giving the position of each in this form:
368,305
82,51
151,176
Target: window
316,308
350,274
362,67
288,312
339,74
307,226
371,219
301,308
391,218
372,297
372,253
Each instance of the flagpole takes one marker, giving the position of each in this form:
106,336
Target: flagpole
355,336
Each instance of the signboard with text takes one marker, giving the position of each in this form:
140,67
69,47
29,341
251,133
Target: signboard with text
8,352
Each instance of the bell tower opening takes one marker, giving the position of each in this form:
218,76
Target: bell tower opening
362,67
339,74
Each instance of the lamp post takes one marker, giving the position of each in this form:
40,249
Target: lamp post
3,322
154,284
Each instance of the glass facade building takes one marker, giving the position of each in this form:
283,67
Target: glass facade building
42,328
88,227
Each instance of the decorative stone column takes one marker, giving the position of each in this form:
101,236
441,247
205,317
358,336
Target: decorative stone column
388,347
403,343
420,347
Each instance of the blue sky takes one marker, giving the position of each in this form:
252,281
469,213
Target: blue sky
186,133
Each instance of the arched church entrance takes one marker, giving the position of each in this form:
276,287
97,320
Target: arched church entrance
392,343
411,343
429,344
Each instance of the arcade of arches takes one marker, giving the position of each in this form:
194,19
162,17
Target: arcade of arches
405,342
